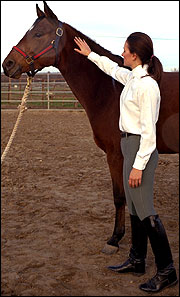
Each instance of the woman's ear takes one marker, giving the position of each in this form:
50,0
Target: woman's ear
134,56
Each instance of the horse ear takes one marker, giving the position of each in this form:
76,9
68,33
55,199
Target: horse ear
48,12
39,12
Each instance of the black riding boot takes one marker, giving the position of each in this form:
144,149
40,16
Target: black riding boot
166,273
136,261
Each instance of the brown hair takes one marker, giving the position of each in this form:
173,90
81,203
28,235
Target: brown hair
142,45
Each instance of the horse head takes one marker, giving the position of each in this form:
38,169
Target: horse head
38,48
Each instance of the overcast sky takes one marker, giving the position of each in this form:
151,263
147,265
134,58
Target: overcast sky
108,22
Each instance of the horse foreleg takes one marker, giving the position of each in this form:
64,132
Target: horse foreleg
116,169
119,227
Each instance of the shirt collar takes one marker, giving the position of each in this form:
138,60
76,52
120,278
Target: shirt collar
140,71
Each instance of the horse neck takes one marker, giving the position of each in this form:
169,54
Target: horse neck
80,73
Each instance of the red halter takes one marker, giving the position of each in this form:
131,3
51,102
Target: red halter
30,60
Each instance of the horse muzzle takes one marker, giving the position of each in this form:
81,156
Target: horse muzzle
11,69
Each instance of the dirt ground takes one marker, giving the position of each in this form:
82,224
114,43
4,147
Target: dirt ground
57,211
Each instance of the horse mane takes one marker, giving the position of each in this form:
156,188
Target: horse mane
95,47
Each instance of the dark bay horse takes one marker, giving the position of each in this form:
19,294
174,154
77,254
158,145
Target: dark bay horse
51,42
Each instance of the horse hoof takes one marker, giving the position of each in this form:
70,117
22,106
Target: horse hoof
110,249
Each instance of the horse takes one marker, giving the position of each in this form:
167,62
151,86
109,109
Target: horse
50,42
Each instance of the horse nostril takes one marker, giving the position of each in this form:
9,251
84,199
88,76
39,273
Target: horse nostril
10,64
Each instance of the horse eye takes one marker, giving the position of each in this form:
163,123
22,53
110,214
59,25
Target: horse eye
38,34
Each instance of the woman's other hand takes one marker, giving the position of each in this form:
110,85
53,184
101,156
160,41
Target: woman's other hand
135,178
84,47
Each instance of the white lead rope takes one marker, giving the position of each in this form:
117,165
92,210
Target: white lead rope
22,107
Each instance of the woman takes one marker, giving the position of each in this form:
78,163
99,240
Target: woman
139,110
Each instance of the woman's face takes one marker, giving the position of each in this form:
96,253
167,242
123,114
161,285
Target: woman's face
128,57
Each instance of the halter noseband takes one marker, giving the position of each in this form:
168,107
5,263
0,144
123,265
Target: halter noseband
30,60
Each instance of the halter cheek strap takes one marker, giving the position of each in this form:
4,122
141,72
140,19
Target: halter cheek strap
54,44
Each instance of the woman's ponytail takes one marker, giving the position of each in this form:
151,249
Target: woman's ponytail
155,69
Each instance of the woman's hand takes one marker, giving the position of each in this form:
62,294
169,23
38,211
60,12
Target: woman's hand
135,178
84,47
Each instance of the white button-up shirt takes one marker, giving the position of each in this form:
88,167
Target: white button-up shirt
139,104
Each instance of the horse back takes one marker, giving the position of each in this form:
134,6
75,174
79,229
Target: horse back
168,123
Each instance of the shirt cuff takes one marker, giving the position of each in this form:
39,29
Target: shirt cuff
93,57
139,163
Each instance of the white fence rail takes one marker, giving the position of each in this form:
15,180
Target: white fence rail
44,94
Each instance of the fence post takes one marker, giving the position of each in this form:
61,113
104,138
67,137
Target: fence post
48,88
9,89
